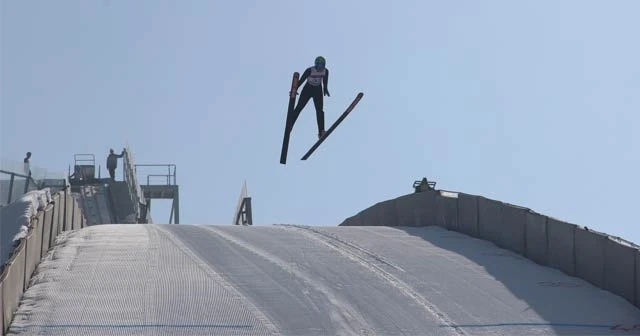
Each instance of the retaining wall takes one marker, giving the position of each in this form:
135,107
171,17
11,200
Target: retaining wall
606,262
122,202
62,214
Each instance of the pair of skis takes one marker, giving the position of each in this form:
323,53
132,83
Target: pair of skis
289,126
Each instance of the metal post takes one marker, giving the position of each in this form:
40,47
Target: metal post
176,199
13,176
248,211
173,206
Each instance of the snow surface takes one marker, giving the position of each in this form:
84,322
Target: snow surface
298,280
131,280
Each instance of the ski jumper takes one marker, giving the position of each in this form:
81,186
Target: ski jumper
316,79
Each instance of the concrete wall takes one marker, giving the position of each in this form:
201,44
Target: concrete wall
606,262
63,213
122,203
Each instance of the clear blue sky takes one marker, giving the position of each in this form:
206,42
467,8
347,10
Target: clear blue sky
532,103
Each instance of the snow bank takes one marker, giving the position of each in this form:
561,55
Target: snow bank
30,203
624,242
15,218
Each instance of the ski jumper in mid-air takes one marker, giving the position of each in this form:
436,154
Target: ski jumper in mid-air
317,78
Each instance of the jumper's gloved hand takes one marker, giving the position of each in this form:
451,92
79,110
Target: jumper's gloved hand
326,93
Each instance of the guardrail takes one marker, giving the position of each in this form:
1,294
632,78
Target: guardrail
63,213
84,160
130,177
169,178
84,168
37,173
609,263
29,182
160,185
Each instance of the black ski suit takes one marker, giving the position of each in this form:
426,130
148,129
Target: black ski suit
316,87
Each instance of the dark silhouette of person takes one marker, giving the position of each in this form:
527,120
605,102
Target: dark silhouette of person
317,78
27,167
112,163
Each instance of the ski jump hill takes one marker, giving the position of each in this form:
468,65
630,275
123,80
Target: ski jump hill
86,259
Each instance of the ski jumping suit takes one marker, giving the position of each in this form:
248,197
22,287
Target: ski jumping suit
316,79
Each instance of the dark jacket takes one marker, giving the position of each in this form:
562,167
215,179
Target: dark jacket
112,160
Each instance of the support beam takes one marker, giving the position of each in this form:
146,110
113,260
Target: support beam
176,202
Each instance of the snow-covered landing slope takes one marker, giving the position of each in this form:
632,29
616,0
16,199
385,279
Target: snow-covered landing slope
296,280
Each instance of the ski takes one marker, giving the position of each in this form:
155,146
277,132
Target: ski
333,127
287,127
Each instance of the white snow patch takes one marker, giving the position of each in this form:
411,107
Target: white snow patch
22,233
30,203
16,218
449,194
623,242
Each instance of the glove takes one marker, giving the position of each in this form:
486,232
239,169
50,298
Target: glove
326,93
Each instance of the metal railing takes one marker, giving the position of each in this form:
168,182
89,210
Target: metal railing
168,179
28,182
423,185
86,158
84,168
37,173
130,177
160,183
16,179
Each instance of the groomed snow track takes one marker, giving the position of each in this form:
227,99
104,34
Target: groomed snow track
300,280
